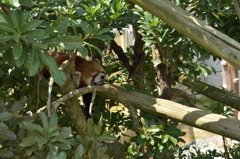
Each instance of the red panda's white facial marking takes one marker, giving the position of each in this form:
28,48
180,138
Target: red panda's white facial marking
99,79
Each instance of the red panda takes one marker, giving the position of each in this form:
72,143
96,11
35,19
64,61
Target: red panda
91,73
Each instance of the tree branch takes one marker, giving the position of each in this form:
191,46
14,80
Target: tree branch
211,92
120,53
237,7
214,123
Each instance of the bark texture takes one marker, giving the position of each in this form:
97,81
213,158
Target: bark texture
211,92
211,122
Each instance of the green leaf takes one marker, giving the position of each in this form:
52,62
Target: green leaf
95,47
4,18
28,141
203,71
5,47
83,51
41,141
84,25
27,3
18,105
16,19
106,138
3,126
174,141
62,144
153,129
100,152
7,135
8,57
5,38
57,26
65,132
37,34
165,138
7,28
58,76
29,25
23,119
141,139
5,116
34,129
6,153
14,3
17,50
33,61
67,42
44,121
31,149
104,30
53,121
62,155
22,58
97,129
79,152
103,37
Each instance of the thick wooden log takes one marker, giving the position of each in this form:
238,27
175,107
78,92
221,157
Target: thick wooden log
192,27
211,122
211,92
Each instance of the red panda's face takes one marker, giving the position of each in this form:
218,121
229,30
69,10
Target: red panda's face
92,73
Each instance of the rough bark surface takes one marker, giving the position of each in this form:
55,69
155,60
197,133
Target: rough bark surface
212,92
214,123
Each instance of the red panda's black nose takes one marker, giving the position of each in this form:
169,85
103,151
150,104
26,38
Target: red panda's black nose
103,77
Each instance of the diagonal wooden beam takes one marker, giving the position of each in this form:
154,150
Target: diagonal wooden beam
192,27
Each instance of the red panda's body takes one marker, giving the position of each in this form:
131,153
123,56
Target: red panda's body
91,73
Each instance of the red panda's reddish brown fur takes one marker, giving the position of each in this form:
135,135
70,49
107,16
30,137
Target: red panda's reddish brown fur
91,73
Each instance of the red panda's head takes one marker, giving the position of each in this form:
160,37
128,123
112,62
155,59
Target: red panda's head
91,72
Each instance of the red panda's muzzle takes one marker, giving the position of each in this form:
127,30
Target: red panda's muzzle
99,79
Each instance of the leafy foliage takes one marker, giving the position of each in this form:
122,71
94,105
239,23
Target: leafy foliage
29,29
159,140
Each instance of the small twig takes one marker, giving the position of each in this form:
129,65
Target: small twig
78,92
50,84
92,101
131,108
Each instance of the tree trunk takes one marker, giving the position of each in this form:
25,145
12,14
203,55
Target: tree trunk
72,104
192,27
